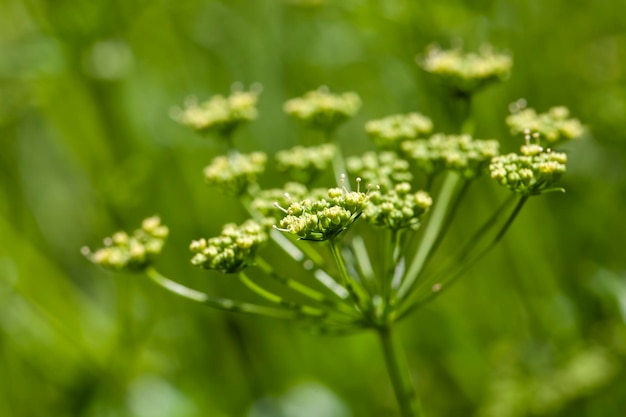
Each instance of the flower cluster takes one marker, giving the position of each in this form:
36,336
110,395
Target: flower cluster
459,153
391,131
555,126
266,202
383,169
322,110
219,114
235,173
305,163
530,173
131,252
467,72
233,250
398,208
325,218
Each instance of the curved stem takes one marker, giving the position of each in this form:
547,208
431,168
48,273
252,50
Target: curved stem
399,373
354,290
215,302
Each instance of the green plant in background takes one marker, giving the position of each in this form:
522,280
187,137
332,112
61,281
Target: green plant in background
366,244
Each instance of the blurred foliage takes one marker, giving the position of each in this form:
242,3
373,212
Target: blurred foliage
88,147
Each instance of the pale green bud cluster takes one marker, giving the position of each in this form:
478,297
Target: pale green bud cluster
322,110
398,208
324,218
266,202
132,252
383,169
305,163
391,131
231,251
469,157
467,72
219,114
555,126
532,172
235,173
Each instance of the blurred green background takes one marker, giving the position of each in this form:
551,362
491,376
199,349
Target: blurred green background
88,148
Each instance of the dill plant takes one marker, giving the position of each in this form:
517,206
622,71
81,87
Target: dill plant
407,190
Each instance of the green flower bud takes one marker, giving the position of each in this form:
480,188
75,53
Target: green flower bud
398,208
231,251
469,157
467,72
385,169
323,110
219,114
390,132
324,218
529,173
236,173
303,164
555,126
133,253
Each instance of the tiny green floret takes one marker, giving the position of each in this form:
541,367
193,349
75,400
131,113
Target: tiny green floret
219,114
469,157
554,126
385,169
305,163
532,172
322,110
231,251
235,173
325,218
398,208
133,252
467,72
391,131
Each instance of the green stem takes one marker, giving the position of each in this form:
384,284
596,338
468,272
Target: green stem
214,302
356,293
399,374
435,223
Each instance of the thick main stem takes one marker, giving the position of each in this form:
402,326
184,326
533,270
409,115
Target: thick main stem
399,374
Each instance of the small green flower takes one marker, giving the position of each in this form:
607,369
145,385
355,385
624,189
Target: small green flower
305,163
219,114
383,169
323,110
234,174
391,131
266,202
326,218
467,72
233,250
555,126
530,173
398,208
131,252
469,157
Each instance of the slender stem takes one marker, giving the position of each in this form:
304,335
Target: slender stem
435,223
354,290
399,373
462,265
214,302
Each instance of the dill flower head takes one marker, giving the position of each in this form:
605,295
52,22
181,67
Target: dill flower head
383,169
231,251
322,110
267,202
325,218
391,131
133,252
304,164
555,126
234,174
397,208
532,172
219,114
467,72
461,153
